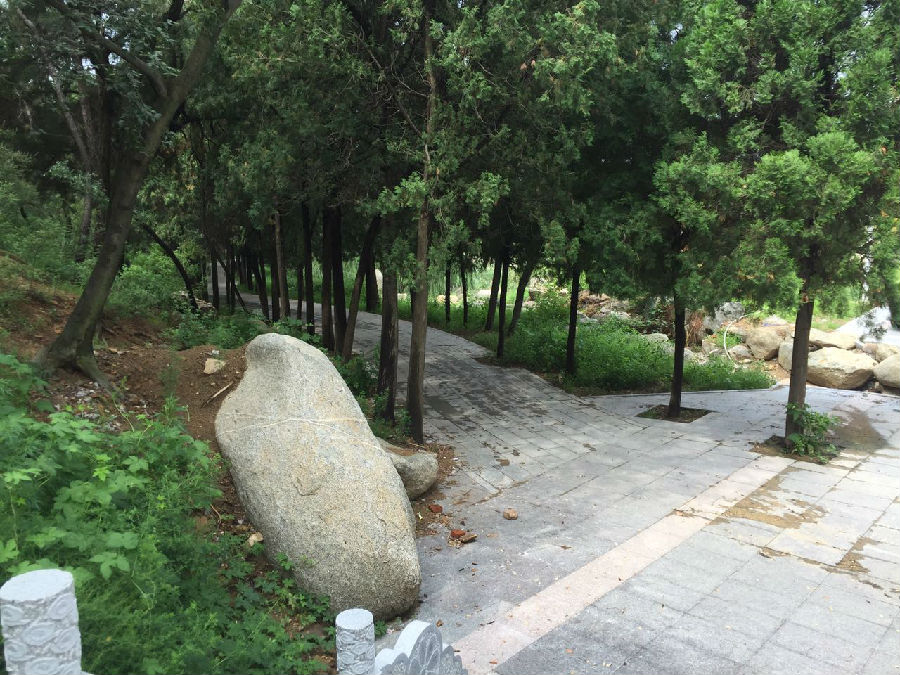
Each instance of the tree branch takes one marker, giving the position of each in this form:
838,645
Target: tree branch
155,77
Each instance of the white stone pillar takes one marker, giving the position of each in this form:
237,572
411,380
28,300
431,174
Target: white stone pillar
354,636
40,624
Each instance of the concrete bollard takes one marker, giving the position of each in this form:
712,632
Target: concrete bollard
355,640
40,624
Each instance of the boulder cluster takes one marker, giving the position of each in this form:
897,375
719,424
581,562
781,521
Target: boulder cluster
836,360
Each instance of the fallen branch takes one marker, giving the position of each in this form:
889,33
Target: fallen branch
213,397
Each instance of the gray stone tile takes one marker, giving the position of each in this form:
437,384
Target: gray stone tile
773,659
831,650
737,618
836,623
669,655
745,531
777,604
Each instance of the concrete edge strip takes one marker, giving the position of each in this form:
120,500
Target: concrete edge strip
490,645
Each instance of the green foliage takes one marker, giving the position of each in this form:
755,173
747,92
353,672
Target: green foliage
721,373
147,283
223,331
118,510
726,340
811,440
612,355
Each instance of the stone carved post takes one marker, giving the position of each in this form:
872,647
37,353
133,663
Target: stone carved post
355,639
40,624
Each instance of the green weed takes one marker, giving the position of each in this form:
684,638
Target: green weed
811,440
118,511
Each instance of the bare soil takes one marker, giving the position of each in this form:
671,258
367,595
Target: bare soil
686,416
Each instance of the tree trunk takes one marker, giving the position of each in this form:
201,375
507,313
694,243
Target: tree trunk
229,281
365,255
247,259
281,271
175,261
520,296
299,274
308,272
573,319
259,271
371,286
84,230
74,345
678,370
465,289
415,387
338,294
390,344
276,291
799,366
235,293
214,277
504,282
495,288
241,270
327,323
447,293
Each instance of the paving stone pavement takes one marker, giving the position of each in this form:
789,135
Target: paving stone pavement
643,546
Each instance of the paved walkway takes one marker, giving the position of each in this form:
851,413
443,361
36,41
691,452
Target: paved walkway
643,546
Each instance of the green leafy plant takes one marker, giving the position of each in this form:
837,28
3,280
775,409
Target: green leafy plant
811,441
119,511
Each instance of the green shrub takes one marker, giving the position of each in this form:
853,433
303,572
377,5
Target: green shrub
148,282
720,373
223,331
609,355
118,511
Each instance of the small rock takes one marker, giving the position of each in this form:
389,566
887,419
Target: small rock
435,508
457,534
740,353
658,338
510,514
213,366
418,471
468,537
254,538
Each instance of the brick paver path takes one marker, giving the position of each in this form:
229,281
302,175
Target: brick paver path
644,546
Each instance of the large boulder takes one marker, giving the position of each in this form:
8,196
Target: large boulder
786,354
764,342
820,338
888,371
316,482
880,351
417,470
725,313
839,369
